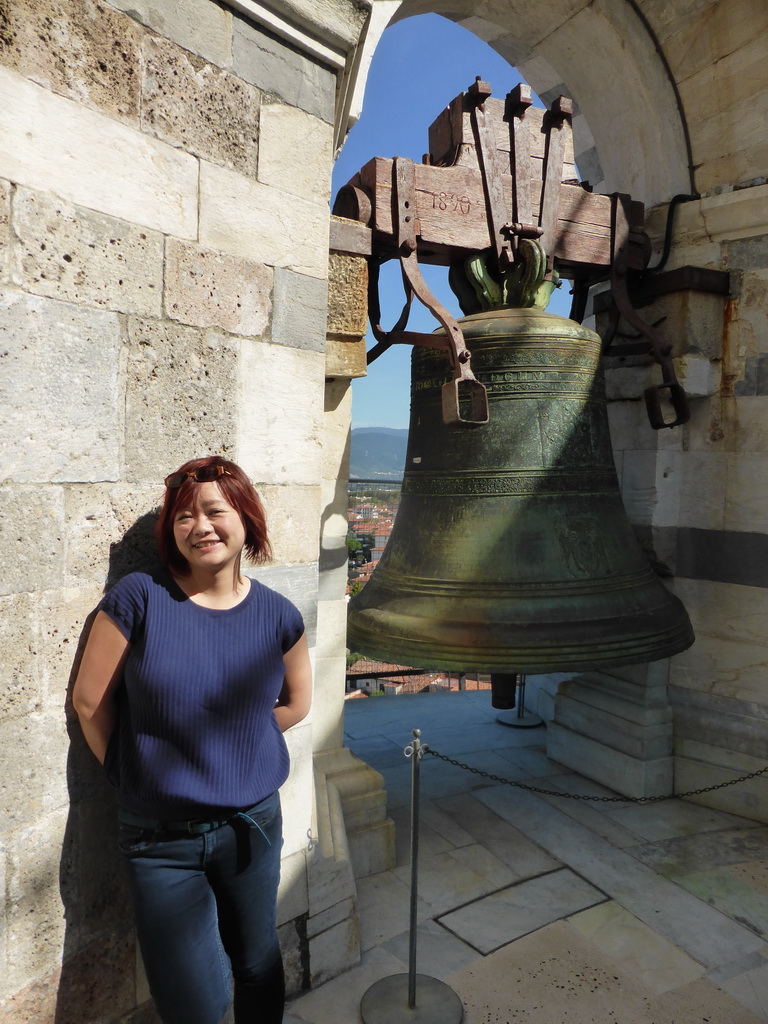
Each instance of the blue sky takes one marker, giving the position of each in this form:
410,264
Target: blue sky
419,66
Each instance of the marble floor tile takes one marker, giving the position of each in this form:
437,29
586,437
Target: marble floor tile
751,989
558,976
492,922
438,952
338,1001
524,858
384,907
533,760
656,963
699,853
449,880
378,751
431,842
672,819
700,930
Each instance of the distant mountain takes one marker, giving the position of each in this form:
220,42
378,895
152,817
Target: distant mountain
377,453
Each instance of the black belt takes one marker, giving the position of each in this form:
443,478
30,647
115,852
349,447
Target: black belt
190,828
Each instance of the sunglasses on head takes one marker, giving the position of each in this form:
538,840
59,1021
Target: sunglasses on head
200,476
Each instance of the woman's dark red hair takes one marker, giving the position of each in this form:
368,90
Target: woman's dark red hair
239,492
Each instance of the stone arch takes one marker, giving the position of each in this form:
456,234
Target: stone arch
629,128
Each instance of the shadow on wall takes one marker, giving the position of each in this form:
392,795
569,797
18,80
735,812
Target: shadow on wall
98,973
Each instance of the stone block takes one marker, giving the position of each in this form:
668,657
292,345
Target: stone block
330,917
293,946
701,492
5,231
196,106
34,915
297,793
97,982
292,896
62,615
347,294
746,492
204,288
331,629
54,144
735,613
281,421
87,258
33,782
34,555
277,67
299,584
293,521
92,528
730,668
328,717
309,176
334,951
300,311
620,772
181,383
710,33
66,427
246,218
345,358
372,849
20,689
87,52
135,507
197,25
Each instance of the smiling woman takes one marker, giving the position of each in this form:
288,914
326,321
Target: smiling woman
189,678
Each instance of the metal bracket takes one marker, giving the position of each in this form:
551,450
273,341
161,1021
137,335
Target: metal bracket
463,391
660,348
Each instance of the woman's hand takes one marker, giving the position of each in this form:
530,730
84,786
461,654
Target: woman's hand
97,679
296,695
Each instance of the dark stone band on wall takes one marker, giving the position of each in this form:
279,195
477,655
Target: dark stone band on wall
723,556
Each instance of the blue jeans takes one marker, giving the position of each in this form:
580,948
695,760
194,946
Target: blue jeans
206,914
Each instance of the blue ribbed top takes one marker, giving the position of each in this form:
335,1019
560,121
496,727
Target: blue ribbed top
196,728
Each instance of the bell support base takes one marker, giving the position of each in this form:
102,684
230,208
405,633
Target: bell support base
616,731
386,1002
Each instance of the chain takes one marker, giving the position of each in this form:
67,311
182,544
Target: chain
596,799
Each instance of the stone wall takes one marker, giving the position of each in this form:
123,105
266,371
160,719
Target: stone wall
164,187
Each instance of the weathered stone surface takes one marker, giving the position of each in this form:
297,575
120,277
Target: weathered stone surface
197,106
299,584
20,690
85,51
347,295
276,67
61,617
97,981
53,144
31,538
5,225
339,20
33,780
292,895
293,522
65,426
293,946
88,258
281,415
212,289
309,176
300,309
712,32
246,218
746,492
92,528
335,950
180,401
35,918
298,790
197,25
136,509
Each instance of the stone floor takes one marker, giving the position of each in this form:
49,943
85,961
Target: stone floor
540,908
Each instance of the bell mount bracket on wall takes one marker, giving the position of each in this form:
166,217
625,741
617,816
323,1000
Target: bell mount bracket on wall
462,200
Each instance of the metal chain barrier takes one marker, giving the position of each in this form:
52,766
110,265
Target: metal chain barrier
583,796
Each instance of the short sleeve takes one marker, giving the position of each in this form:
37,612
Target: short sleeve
293,627
126,605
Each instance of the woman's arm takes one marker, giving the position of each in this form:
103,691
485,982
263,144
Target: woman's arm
296,695
100,672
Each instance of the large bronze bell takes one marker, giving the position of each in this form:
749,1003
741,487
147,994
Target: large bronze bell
511,550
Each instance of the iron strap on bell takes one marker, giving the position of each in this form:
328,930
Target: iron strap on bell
511,551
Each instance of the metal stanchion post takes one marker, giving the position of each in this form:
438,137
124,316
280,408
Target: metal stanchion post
394,999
